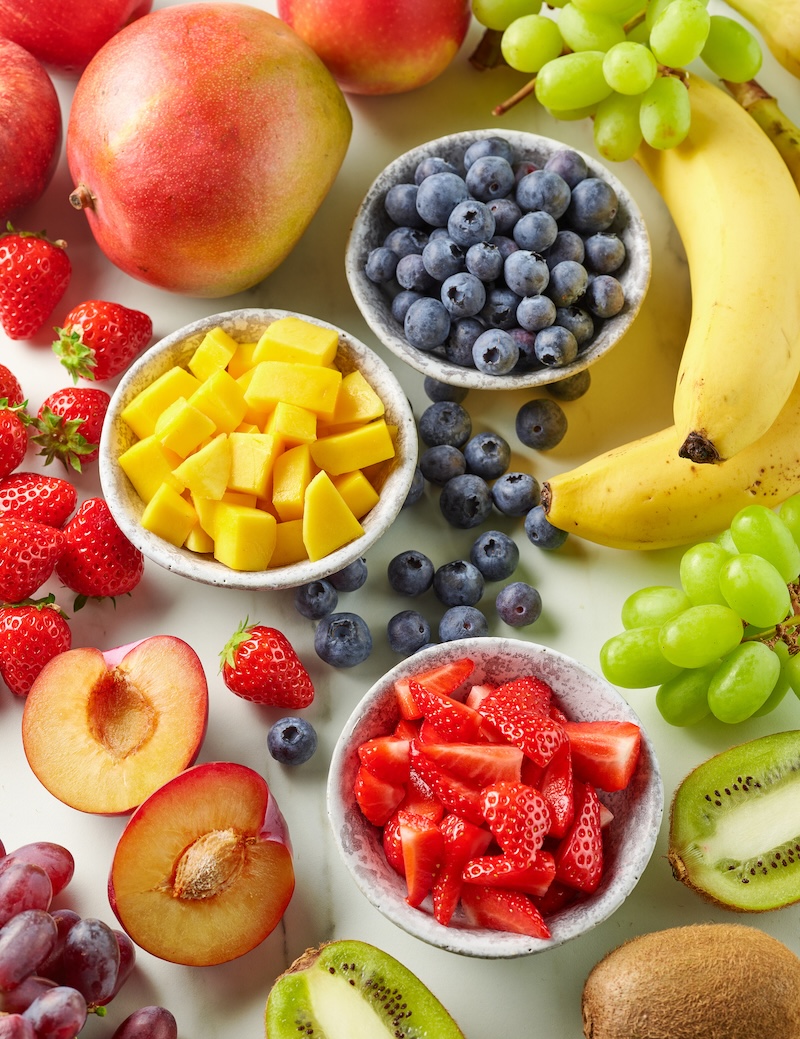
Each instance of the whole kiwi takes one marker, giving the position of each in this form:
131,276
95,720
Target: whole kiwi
699,981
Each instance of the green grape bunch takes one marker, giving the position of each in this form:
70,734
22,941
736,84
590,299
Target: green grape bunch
623,64
726,641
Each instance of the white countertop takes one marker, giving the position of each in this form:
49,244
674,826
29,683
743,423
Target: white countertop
582,588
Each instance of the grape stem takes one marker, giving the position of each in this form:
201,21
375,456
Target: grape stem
787,631
487,54
634,22
515,99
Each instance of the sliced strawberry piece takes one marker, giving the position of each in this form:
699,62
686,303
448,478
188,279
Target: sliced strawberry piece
502,910
518,817
557,714
452,719
428,733
462,841
376,798
478,693
500,871
535,733
604,753
558,896
531,773
420,799
422,764
423,849
555,787
477,763
386,757
392,847
443,680
459,797
579,855
406,729
528,691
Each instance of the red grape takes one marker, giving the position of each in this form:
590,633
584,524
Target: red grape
90,959
23,885
25,941
148,1023
59,1013
54,859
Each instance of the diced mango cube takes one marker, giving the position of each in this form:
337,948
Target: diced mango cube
147,464
252,460
328,523
221,398
242,361
182,428
143,411
357,491
291,474
169,515
206,509
357,402
306,385
294,425
289,545
244,538
213,353
255,416
343,452
293,339
197,540
206,472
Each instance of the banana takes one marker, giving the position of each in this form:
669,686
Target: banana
644,496
766,111
778,21
737,211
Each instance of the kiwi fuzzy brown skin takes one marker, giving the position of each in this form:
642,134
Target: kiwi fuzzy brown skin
699,981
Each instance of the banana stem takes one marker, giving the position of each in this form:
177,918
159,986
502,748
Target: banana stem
764,108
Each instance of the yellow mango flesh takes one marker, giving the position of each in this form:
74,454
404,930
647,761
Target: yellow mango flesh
355,449
306,385
213,354
148,464
328,523
292,339
290,477
244,538
169,515
143,411
206,472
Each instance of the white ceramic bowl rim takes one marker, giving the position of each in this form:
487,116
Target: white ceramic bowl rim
629,840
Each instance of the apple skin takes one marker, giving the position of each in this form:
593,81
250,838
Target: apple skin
31,129
381,46
66,33
202,139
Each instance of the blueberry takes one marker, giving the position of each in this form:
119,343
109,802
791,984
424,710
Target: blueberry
501,308
408,631
556,346
470,222
488,146
426,324
506,245
442,257
515,494
540,530
506,213
495,352
465,501
536,312
458,583
543,189
435,390
445,422
536,231
432,164
569,165
568,281
462,622
410,573
485,261
343,640
351,577
292,741
487,455
489,177
402,301
458,345
463,295
526,273
593,206
406,240
541,424
437,196
416,490
578,321
495,554
605,296
605,252
518,604
441,463
381,264
570,388
316,599
568,246
411,274
526,345
401,205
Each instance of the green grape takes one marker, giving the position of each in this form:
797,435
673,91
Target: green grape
616,129
605,7
572,115
665,114
789,512
632,659
781,687
639,34
724,540
653,605
626,13
743,682
755,590
630,68
655,8
792,669
499,14
731,51
530,42
680,32
758,529
683,700
699,572
587,31
700,634
572,81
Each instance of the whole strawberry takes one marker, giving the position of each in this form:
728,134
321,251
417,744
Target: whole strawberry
13,436
98,560
261,665
98,339
31,634
34,274
37,496
69,424
10,387
28,555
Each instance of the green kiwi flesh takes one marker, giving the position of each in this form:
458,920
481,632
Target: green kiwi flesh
349,989
735,825
700,981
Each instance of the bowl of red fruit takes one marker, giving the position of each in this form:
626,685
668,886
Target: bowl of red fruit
494,797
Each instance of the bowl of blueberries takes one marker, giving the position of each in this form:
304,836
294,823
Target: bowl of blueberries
496,259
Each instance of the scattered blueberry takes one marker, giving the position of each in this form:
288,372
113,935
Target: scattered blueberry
515,494
441,463
466,501
518,604
316,599
292,741
462,622
487,455
410,573
436,390
540,530
343,640
458,583
445,422
407,632
570,388
416,490
541,424
495,554
350,577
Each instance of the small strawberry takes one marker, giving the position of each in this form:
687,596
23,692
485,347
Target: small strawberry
518,817
37,496
98,560
604,753
444,680
423,849
10,387
99,339
13,435
28,555
34,274
69,424
31,633
502,910
260,664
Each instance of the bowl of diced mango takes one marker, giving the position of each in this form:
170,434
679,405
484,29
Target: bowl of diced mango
257,449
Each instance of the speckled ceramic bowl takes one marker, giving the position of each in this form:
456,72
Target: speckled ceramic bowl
629,838
246,326
372,224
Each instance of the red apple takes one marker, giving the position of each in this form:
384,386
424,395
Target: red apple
66,33
203,872
202,139
102,731
381,46
30,129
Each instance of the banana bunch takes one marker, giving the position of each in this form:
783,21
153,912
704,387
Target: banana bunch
778,21
736,437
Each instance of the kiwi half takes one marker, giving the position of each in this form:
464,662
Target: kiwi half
348,989
735,825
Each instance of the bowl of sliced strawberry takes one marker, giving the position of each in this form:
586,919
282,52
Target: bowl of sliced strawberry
494,797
